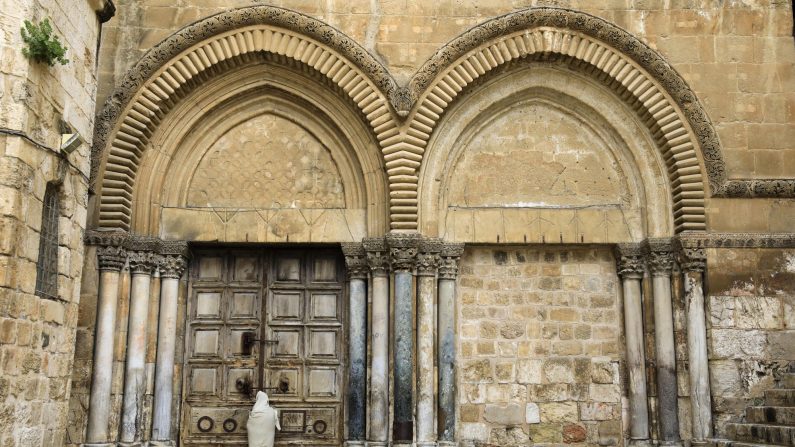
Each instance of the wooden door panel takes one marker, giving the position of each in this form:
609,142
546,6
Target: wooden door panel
291,303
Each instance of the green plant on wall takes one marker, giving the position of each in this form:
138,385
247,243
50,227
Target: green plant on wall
41,44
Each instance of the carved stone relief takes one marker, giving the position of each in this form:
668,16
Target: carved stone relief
571,165
267,162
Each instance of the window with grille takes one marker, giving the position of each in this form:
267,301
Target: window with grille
47,266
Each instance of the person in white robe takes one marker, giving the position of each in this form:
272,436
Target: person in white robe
262,423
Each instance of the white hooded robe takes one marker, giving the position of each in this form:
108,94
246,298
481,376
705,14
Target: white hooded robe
262,423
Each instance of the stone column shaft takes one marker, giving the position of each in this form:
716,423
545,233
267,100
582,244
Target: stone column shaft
630,268
661,264
357,268
427,263
693,265
111,258
403,251
378,405
446,353
171,268
142,264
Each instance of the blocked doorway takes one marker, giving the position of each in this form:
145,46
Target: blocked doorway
270,319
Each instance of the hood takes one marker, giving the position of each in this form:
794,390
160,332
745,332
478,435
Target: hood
262,402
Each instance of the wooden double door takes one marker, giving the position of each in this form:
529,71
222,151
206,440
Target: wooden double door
270,320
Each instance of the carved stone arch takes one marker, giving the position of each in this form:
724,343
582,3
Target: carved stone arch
637,74
163,201
196,53
543,153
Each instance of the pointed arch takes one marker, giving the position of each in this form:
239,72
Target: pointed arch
637,74
188,58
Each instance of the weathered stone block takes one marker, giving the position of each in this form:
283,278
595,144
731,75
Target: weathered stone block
509,414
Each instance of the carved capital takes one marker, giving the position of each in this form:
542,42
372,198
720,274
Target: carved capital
403,248
630,259
172,266
142,253
377,255
143,262
355,260
691,252
111,254
449,258
111,257
428,256
661,256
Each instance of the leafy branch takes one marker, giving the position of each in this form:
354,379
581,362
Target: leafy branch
42,45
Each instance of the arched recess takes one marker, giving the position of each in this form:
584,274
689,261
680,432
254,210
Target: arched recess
219,44
638,75
263,153
543,153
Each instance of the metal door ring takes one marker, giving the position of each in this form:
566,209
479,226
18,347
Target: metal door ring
319,427
205,424
230,425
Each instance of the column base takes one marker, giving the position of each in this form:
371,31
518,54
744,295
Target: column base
131,444
640,442
98,444
671,443
447,444
168,443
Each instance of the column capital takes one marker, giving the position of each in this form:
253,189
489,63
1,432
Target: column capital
449,257
111,254
173,258
692,259
661,256
355,260
377,254
403,249
630,259
172,266
142,254
428,256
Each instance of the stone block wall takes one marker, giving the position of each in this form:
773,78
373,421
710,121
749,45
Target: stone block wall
751,319
540,346
37,335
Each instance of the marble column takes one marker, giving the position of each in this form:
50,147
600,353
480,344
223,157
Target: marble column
630,268
693,262
427,263
111,257
378,406
142,264
357,270
173,262
403,253
661,263
446,353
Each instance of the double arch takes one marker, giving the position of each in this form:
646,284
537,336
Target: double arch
403,120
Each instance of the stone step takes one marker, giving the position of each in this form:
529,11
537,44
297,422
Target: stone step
750,444
780,398
759,433
771,415
787,381
728,443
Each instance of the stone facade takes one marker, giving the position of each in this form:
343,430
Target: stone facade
37,105
564,221
752,325
540,346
